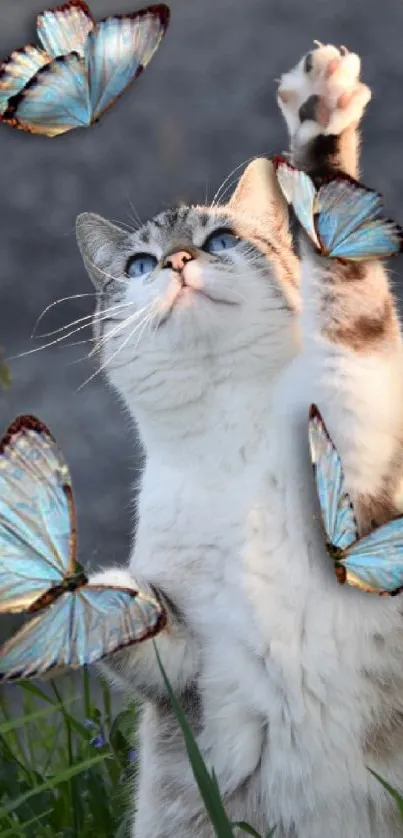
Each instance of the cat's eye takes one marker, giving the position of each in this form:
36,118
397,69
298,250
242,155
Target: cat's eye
140,264
220,240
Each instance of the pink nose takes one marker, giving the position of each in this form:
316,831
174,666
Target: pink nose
177,261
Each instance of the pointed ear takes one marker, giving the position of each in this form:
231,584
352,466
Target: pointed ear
258,193
98,241
258,197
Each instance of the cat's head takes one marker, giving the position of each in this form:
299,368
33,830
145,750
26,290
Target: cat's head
196,294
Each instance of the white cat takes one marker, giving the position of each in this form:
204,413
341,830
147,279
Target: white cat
293,684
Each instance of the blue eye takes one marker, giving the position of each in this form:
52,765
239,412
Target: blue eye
140,265
220,240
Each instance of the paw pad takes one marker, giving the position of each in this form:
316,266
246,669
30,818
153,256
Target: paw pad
323,94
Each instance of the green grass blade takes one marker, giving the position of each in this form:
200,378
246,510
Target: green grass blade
62,777
28,718
69,745
86,693
34,690
106,696
245,827
393,792
207,784
21,827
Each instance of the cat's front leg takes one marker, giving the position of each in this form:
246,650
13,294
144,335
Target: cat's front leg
136,668
323,100
352,346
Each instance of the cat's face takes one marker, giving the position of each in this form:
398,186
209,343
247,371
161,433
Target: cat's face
196,289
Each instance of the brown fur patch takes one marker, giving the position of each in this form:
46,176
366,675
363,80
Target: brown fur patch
364,331
373,511
328,154
385,737
351,271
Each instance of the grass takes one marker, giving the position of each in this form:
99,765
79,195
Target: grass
64,763
66,759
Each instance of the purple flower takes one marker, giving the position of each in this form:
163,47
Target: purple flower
98,741
132,755
89,724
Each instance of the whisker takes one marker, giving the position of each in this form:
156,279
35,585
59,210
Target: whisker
122,324
87,317
119,349
225,181
129,227
135,217
74,343
225,189
124,280
51,343
56,302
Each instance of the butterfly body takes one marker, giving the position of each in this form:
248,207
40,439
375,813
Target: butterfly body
74,622
374,562
68,585
342,218
81,69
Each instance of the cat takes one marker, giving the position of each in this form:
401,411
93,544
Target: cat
218,338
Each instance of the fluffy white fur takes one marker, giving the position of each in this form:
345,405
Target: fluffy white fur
285,662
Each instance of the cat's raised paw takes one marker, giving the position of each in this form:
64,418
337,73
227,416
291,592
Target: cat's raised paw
323,94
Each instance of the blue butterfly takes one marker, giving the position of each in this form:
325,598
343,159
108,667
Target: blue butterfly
75,623
80,70
343,218
373,563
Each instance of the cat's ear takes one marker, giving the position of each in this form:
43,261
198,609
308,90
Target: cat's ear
98,241
258,198
258,193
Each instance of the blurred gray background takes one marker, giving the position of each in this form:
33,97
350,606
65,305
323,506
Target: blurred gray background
205,105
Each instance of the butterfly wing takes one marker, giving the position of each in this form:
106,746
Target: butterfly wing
335,503
299,191
350,222
375,562
54,101
65,29
17,70
80,628
37,521
117,51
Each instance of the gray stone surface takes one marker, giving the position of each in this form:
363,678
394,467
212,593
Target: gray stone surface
205,105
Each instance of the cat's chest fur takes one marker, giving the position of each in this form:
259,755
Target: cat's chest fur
234,555
284,649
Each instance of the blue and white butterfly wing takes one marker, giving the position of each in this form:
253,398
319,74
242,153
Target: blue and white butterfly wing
113,618
342,207
65,29
117,51
299,191
42,644
80,628
375,562
376,240
54,101
37,521
335,503
350,223
17,70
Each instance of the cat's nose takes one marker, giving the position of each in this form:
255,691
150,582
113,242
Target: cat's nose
177,260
